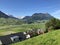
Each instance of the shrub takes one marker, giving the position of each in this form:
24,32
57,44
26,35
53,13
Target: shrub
53,24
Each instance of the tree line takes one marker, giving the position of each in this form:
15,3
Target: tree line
10,21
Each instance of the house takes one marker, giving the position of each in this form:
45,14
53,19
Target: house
16,37
27,36
40,31
12,38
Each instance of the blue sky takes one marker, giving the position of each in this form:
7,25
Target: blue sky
21,8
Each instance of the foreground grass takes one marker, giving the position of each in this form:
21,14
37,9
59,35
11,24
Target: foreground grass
51,38
5,30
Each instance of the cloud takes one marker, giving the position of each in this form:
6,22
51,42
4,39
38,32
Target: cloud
56,14
20,17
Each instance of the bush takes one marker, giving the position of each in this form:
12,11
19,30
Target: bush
53,24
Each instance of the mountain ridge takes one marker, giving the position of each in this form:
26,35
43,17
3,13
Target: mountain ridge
37,16
3,15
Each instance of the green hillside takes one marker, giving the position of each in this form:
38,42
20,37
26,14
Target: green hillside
51,38
9,20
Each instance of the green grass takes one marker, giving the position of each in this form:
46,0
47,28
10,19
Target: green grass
5,30
51,38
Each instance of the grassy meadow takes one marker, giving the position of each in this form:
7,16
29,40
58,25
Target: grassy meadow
51,38
8,29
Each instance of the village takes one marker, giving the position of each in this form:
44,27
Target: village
21,36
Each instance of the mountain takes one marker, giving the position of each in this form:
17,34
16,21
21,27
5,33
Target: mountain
9,19
3,15
37,17
41,16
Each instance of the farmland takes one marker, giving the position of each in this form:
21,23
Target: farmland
8,29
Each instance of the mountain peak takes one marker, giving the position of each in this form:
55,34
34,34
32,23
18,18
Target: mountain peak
38,16
3,15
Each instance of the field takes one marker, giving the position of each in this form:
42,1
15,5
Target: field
5,30
51,38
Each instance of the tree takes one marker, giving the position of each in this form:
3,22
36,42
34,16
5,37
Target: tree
53,24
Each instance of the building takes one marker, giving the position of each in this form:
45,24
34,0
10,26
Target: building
12,38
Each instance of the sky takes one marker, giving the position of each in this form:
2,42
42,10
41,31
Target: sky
21,8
